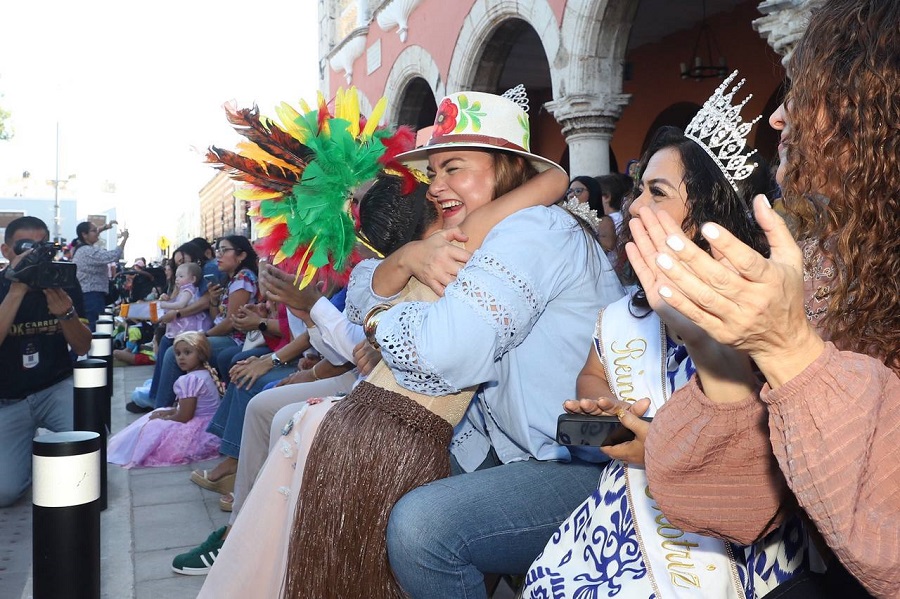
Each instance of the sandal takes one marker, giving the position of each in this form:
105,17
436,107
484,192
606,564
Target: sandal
226,502
222,485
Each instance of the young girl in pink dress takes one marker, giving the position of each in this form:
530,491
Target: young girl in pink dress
177,435
187,281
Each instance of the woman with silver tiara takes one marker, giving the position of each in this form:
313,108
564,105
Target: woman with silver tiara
618,542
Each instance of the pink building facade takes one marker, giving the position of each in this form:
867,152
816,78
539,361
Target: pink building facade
601,75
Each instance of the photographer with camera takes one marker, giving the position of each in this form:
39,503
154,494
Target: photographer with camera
39,305
93,261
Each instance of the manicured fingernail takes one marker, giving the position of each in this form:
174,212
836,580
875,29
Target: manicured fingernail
664,261
710,231
766,200
665,292
674,242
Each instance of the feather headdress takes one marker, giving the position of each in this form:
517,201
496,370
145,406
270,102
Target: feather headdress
299,174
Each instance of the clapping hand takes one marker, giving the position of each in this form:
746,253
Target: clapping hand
279,286
736,296
246,319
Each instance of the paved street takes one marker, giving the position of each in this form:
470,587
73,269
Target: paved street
153,514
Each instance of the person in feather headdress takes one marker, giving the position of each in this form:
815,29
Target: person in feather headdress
512,305
388,220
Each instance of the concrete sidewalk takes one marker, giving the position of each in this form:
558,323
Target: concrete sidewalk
152,515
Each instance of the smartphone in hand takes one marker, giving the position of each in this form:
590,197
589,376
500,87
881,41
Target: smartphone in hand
594,431
211,280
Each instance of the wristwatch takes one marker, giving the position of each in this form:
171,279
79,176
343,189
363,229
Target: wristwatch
276,361
69,315
263,326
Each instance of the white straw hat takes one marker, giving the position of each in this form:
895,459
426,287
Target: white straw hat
477,120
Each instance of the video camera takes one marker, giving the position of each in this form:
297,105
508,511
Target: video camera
38,269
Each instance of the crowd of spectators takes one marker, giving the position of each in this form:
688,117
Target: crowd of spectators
397,437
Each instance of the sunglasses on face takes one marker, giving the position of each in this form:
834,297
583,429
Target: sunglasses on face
576,191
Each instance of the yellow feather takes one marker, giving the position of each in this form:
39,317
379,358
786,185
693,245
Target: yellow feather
308,275
254,152
254,193
288,117
374,118
265,226
347,108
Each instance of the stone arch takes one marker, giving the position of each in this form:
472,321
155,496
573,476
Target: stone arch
418,107
596,39
413,63
479,27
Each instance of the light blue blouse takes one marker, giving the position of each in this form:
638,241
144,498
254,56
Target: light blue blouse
518,319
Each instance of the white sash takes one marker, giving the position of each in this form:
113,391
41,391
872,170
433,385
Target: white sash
680,564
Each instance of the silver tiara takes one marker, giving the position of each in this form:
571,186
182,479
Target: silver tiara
518,95
719,130
583,210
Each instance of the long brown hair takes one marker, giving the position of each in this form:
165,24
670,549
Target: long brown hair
510,171
842,172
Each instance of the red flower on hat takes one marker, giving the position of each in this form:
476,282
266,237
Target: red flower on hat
446,117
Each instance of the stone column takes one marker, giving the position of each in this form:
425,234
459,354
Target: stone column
783,23
588,123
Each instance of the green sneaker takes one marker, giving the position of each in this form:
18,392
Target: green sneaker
199,560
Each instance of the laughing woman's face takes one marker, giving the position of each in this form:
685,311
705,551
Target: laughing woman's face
461,182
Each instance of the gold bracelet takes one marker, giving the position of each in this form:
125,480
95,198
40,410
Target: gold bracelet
370,323
313,369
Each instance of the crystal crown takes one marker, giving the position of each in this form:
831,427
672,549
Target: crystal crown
719,130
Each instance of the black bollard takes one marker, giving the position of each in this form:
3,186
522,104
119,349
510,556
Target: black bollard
66,516
90,409
101,348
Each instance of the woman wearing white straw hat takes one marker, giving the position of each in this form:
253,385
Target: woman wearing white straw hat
515,316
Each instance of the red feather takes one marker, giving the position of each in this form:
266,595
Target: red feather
402,141
272,243
323,115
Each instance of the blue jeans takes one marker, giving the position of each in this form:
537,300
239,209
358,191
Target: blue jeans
228,357
228,421
169,371
164,344
50,408
441,537
94,302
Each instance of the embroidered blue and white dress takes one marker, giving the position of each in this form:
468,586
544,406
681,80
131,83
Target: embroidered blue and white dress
599,552
515,320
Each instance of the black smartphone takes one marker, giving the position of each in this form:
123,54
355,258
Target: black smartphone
595,431
211,279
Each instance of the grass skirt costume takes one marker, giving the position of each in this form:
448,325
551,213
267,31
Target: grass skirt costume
618,543
382,440
373,447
